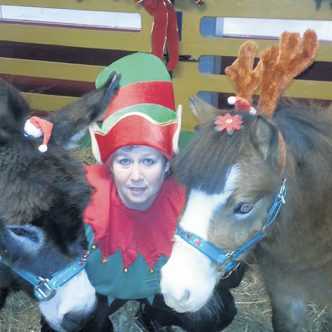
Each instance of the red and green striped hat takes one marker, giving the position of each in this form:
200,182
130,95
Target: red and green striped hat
142,112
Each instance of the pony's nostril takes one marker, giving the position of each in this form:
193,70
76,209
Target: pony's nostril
185,296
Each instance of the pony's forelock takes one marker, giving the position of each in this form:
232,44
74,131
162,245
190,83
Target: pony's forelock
205,162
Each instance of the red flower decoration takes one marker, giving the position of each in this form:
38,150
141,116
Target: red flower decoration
228,122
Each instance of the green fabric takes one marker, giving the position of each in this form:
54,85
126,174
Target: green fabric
110,279
154,113
150,69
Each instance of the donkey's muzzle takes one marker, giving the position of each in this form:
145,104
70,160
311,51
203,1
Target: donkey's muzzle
75,321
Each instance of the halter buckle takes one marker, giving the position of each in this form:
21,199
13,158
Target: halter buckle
43,291
222,266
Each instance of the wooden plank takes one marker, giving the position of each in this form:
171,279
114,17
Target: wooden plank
47,102
100,5
77,37
131,41
289,9
199,46
48,69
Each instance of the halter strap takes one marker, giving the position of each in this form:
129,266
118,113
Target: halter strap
44,288
227,261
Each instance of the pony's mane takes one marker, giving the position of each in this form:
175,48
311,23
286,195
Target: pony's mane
205,161
307,131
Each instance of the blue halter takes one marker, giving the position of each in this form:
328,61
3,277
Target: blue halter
45,289
227,261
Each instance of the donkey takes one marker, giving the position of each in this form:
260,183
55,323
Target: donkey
43,195
259,188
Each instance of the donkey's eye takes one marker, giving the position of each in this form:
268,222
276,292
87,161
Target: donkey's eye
243,208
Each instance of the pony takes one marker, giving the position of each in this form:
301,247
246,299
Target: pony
43,249
259,187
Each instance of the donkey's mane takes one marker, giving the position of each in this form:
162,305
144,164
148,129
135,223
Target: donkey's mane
204,162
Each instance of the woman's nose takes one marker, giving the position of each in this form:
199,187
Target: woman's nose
136,173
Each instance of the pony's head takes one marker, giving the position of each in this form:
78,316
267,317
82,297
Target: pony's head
43,195
234,173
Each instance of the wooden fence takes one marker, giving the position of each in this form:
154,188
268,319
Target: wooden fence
54,64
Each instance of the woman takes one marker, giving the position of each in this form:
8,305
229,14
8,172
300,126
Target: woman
132,217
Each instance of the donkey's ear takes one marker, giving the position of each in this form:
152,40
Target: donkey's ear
72,122
20,241
13,111
203,111
264,137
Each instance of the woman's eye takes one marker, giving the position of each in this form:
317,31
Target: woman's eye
243,208
124,162
148,161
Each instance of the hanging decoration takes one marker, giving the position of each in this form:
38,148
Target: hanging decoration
164,35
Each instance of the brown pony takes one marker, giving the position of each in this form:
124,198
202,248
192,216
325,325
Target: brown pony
240,170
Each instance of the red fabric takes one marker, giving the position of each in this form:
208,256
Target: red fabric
140,93
44,125
242,104
126,133
149,233
164,31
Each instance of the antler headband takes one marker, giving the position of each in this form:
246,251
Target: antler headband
277,67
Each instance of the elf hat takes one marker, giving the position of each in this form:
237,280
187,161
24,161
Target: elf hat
142,112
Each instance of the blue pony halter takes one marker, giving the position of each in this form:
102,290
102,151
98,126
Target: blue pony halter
45,289
227,261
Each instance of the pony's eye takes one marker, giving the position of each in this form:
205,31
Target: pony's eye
243,208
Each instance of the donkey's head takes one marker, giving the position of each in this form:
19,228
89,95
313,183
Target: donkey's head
233,170
43,195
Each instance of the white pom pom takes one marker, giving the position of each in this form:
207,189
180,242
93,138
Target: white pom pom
42,148
231,100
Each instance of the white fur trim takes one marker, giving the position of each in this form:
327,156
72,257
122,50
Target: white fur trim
231,100
178,129
94,145
31,129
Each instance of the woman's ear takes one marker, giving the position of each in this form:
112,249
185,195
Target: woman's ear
109,163
167,166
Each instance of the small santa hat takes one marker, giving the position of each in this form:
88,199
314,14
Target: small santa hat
38,127
241,104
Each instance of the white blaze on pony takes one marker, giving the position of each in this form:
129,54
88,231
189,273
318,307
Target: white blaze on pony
188,278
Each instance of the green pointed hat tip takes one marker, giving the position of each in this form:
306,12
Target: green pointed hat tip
135,68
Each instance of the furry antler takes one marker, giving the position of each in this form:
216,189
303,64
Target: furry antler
244,78
278,65
282,63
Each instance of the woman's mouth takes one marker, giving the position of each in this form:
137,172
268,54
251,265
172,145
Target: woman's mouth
137,190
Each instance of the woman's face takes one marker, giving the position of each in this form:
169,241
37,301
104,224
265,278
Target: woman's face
138,172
